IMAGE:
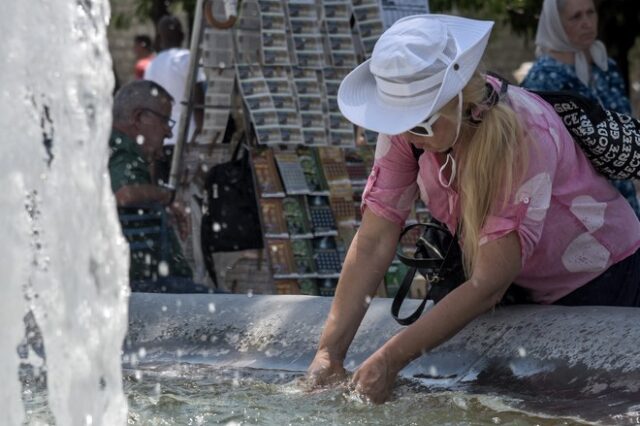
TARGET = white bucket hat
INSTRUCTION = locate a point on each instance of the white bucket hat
(418, 65)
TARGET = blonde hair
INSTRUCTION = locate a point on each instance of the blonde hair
(492, 160)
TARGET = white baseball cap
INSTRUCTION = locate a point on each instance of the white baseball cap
(418, 65)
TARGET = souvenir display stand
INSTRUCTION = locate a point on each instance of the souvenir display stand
(276, 72)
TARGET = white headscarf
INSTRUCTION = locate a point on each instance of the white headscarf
(552, 36)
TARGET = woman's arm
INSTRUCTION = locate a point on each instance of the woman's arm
(498, 263)
(143, 194)
(146, 194)
(366, 262)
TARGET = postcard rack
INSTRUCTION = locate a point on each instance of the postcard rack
(278, 70)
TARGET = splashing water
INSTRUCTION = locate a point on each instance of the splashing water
(63, 257)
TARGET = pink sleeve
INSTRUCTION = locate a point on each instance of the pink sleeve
(530, 200)
(391, 187)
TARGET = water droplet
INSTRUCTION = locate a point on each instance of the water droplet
(142, 352)
(250, 293)
(212, 307)
(522, 352)
(367, 300)
(163, 268)
(216, 227)
(139, 139)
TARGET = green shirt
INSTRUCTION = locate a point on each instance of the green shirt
(145, 228)
(126, 164)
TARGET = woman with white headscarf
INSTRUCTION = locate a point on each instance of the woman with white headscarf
(571, 58)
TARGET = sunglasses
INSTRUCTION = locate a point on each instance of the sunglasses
(425, 129)
(170, 122)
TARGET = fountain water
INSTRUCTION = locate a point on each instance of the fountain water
(59, 257)
(64, 261)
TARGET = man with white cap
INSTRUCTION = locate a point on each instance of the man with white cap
(498, 168)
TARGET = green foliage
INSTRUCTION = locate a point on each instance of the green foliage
(143, 8)
(521, 15)
(121, 21)
(155, 9)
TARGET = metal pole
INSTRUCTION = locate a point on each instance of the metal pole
(183, 127)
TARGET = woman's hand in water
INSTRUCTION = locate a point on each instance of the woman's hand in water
(324, 370)
(375, 378)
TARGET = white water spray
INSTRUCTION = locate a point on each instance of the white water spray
(62, 255)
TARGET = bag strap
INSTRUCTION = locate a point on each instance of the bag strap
(211, 269)
(236, 150)
(438, 261)
(424, 246)
(401, 295)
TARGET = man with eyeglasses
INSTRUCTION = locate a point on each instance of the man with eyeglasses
(141, 122)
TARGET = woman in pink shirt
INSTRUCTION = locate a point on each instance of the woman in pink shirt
(499, 169)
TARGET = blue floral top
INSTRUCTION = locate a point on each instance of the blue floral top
(607, 87)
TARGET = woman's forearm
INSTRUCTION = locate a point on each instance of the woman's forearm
(365, 265)
(497, 266)
(438, 325)
(141, 195)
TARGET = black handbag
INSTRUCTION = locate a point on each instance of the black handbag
(230, 220)
(437, 257)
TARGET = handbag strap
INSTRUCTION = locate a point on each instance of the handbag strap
(423, 248)
(438, 263)
(401, 295)
(236, 150)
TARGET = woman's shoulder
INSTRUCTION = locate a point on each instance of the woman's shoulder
(546, 73)
(612, 64)
(546, 63)
(538, 120)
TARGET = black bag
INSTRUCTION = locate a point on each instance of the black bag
(438, 258)
(230, 220)
(610, 140)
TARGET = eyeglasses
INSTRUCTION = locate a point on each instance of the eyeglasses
(425, 129)
(168, 120)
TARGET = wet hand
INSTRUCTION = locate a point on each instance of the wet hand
(375, 378)
(324, 371)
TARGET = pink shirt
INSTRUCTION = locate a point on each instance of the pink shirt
(571, 222)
